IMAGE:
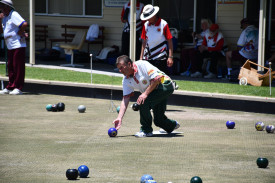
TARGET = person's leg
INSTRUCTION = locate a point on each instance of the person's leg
(196, 60)
(160, 119)
(161, 65)
(19, 68)
(138, 45)
(185, 61)
(125, 43)
(11, 73)
(145, 118)
(157, 100)
(228, 56)
(214, 61)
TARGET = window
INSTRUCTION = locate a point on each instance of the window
(76, 8)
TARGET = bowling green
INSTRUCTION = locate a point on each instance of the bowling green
(39, 146)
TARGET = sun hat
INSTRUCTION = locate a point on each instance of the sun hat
(214, 27)
(149, 11)
(7, 2)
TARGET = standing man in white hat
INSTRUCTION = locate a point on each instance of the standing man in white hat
(155, 35)
(13, 26)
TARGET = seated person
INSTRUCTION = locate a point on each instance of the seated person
(188, 56)
(247, 45)
(212, 47)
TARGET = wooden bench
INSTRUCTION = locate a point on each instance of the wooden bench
(41, 34)
(68, 37)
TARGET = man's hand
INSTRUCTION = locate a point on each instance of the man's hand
(203, 48)
(117, 123)
(170, 62)
(1, 15)
(141, 99)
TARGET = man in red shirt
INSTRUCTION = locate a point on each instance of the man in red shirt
(155, 35)
(212, 47)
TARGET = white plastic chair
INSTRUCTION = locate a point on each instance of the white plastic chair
(76, 44)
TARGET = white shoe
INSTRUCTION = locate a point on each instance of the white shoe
(196, 75)
(16, 92)
(5, 91)
(142, 134)
(210, 75)
(176, 127)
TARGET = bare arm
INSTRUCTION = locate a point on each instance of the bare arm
(1, 17)
(122, 110)
(22, 29)
(170, 58)
(142, 49)
(151, 87)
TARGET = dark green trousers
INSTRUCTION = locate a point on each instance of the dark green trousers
(157, 101)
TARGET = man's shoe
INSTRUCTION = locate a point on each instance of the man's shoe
(177, 125)
(175, 86)
(210, 76)
(196, 75)
(5, 91)
(186, 73)
(142, 134)
(16, 92)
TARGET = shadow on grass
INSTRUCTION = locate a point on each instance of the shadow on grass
(174, 110)
(164, 135)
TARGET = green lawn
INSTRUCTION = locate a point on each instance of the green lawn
(73, 76)
(37, 146)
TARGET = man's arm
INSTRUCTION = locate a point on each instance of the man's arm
(170, 57)
(142, 49)
(1, 17)
(123, 107)
(22, 29)
(153, 84)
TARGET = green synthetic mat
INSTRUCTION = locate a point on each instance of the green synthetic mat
(39, 146)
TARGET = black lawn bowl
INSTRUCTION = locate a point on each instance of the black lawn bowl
(135, 107)
(60, 106)
(262, 162)
(72, 174)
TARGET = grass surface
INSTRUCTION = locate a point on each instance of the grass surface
(39, 146)
(73, 76)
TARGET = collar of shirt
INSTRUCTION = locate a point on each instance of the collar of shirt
(157, 23)
(135, 70)
(214, 37)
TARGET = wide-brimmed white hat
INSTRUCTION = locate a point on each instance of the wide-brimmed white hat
(149, 11)
(7, 2)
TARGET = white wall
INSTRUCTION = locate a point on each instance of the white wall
(110, 20)
(228, 18)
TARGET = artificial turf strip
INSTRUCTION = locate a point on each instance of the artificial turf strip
(39, 146)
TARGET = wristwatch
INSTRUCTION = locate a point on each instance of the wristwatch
(170, 57)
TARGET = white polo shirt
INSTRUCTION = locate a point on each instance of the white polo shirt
(249, 42)
(144, 73)
(156, 36)
(11, 25)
